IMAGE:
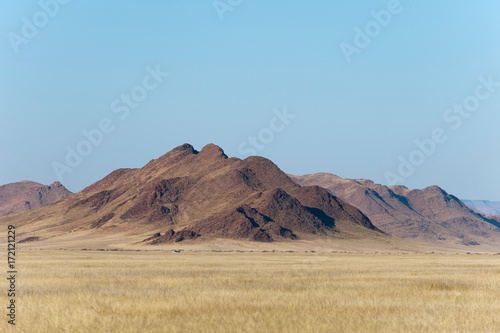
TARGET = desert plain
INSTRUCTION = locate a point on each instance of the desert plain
(255, 291)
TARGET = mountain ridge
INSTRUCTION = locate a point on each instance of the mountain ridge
(485, 207)
(429, 214)
(27, 195)
(190, 195)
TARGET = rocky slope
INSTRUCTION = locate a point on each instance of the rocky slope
(430, 214)
(191, 195)
(27, 195)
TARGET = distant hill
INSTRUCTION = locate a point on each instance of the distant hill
(27, 195)
(484, 206)
(187, 195)
(430, 214)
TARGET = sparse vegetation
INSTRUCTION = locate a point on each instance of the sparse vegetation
(96, 291)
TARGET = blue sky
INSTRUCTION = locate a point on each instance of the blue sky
(228, 78)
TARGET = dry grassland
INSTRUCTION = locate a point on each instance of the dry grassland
(92, 291)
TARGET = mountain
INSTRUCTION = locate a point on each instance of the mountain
(484, 206)
(27, 195)
(430, 214)
(495, 218)
(191, 195)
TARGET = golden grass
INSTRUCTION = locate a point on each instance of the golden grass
(83, 291)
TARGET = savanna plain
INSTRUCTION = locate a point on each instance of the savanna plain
(160, 291)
